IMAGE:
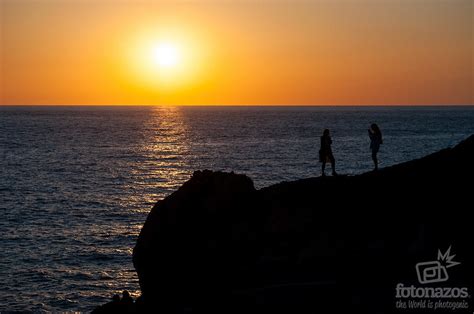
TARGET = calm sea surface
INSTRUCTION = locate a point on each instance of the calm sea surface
(76, 183)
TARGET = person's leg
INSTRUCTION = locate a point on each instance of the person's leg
(333, 165)
(374, 158)
(323, 167)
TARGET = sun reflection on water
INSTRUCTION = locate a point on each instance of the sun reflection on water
(164, 150)
(67, 236)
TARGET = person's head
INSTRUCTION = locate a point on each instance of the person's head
(326, 132)
(125, 294)
(375, 128)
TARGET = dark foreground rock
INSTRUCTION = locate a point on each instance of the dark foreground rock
(320, 245)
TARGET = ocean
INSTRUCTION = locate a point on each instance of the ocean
(76, 183)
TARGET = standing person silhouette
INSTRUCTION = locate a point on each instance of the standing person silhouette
(325, 153)
(375, 140)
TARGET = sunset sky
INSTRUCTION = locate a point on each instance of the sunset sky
(242, 52)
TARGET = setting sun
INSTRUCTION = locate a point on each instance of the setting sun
(166, 55)
(236, 52)
(162, 59)
(135, 134)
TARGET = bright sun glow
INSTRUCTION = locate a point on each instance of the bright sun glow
(166, 55)
(164, 59)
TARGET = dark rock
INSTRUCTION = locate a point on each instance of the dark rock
(113, 306)
(329, 245)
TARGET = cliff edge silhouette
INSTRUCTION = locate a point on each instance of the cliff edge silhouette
(318, 245)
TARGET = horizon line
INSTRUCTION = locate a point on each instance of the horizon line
(237, 105)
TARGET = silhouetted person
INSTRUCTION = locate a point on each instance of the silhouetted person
(375, 141)
(325, 153)
(126, 298)
(110, 307)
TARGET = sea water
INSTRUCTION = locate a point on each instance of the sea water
(76, 183)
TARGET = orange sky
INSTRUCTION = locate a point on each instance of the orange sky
(259, 52)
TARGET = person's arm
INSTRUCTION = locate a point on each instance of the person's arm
(371, 134)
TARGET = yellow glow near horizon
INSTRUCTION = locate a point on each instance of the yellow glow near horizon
(282, 52)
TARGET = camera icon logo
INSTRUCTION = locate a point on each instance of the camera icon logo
(431, 272)
(436, 271)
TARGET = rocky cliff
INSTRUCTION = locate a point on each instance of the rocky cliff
(320, 245)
